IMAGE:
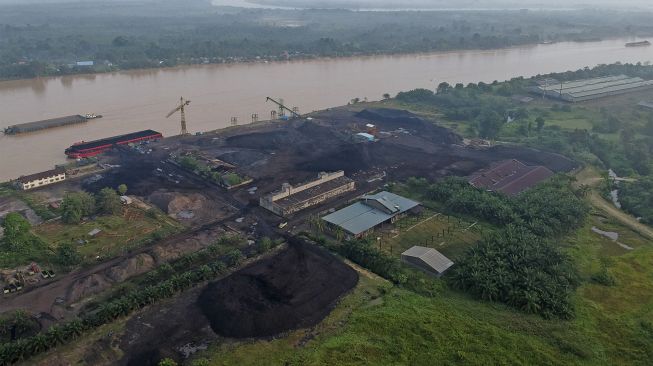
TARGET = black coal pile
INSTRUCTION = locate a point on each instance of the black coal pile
(295, 289)
(393, 119)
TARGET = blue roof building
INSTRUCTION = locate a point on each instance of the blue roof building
(370, 212)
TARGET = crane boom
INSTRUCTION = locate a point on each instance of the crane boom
(281, 106)
(182, 104)
(173, 111)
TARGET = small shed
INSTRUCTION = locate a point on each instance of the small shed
(125, 200)
(428, 260)
(365, 137)
(94, 232)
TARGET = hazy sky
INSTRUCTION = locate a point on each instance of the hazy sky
(404, 3)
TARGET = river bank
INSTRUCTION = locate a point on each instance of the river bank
(139, 99)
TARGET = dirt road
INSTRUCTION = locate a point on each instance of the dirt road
(43, 299)
(589, 176)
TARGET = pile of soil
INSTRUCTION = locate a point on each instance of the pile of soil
(130, 267)
(296, 288)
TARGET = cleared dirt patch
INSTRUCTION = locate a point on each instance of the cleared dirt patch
(294, 289)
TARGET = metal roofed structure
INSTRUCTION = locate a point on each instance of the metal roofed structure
(371, 211)
(588, 89)
(293, 199)
(510, 177)
(427, 259)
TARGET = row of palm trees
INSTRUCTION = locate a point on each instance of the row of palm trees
(516, 267)
(551, 208)
(136, 299)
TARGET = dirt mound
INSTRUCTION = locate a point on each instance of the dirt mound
(173, 250)
(136, 265)
(393, 119)
(87, 286)
(176, 204)
(294, 289)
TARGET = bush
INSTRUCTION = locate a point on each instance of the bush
(264, 245)
(363, 253)
(16, 230)
(234, 257)
(76, 205)
(109, 202)
(67, 255)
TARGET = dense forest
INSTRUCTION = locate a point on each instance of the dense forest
(50, 39)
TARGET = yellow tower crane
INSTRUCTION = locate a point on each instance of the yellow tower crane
(182, 104)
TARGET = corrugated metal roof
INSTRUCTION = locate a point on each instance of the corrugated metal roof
(362, 216)
(510, 177)
(431, 257)
(594, 86)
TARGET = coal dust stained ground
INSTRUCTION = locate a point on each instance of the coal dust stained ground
(294, 289)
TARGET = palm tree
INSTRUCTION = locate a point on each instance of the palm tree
(340, 234)
(73, 329)
(55, 335)
(39, 343)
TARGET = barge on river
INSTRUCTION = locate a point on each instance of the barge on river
(97, 147)
(49, 123)
(638, 44)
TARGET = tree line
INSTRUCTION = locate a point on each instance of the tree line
(138, 35)
(77, 205)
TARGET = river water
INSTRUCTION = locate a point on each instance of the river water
(137, 100)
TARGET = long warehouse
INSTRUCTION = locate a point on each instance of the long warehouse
(588, 89)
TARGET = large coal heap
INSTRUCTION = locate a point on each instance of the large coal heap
(390, 119)
(296, 288)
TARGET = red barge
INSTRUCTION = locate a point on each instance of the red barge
(97, 147)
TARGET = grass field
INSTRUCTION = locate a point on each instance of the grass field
(613, 326)
(447, 234)
(118, 233)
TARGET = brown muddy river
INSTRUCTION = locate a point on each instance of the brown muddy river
(137, 100)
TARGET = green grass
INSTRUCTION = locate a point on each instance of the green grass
(118, 233)
(613, 325)
(427, 230)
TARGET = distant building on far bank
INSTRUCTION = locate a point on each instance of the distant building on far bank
(510, 177)
(589, 89)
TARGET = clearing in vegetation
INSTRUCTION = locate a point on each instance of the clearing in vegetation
(118, 233)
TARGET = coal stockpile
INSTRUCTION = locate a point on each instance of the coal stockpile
(296, 288)
(392, 119)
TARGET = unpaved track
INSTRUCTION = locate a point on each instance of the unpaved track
(589, 176)
(42, 299)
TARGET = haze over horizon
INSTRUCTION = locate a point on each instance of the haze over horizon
(391, 4)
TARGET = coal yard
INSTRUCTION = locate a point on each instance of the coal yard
(215, 184)
(295, 289)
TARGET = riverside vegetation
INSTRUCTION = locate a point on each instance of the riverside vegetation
(135, 34)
